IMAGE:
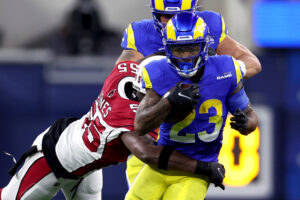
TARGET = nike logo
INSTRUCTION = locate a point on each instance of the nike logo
(182, 95)
(219, 169)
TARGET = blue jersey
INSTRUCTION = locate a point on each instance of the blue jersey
(143, 37)
(199, 135)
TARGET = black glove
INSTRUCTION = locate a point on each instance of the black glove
(217, 174)
(214, 170)
(239, 121)
(186, 98)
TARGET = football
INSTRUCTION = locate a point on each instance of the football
(185, 85)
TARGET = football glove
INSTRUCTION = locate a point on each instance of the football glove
(214, 170)
(217, 174)
(184, 98)
(239, 121)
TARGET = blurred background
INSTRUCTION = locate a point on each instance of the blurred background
(55, 55)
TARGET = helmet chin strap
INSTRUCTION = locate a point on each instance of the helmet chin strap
(187, 75)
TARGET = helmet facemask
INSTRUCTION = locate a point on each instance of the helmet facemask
(186, 39)
(187, 57)
(157, 19)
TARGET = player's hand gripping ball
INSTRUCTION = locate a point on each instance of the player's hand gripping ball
(217, 174)
(183, 98)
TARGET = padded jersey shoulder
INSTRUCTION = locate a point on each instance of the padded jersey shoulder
(142, 37)
(159, 75)
(225, 67)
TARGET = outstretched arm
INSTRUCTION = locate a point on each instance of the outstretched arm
(149, 153)
(233, 48)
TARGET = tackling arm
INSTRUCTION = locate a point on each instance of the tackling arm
(151, 154)
(233, 48)
(146, 151)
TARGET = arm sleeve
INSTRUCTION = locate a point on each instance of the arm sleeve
(154, 77)
(239, 99)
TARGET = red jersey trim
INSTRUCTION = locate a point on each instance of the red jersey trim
(36, 172)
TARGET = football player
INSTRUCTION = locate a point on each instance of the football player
(187, 79)
(69, 154)
(144, 38)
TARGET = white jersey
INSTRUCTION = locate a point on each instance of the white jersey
(67, 155)
(74, 154)
(93, 142)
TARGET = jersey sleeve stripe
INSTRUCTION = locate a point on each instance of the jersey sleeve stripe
(130, 39)
(238, 71)
(224, 32)
(146, 78)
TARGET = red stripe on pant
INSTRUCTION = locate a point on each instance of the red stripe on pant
(0, 193)
(37, 171)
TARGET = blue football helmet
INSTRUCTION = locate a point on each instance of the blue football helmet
(170, 7)
(186, 40)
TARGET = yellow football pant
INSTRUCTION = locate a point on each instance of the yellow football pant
(155, 184)
(133, 168)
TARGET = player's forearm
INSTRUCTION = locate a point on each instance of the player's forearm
(129, 55)
(240, 52)
(145, 150)
(176, 161)
(165, 157)
(252, 120)
(251, 62)
(148, 118)
(181, 162)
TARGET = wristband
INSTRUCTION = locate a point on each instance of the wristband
(202, 168)
(164, 157)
